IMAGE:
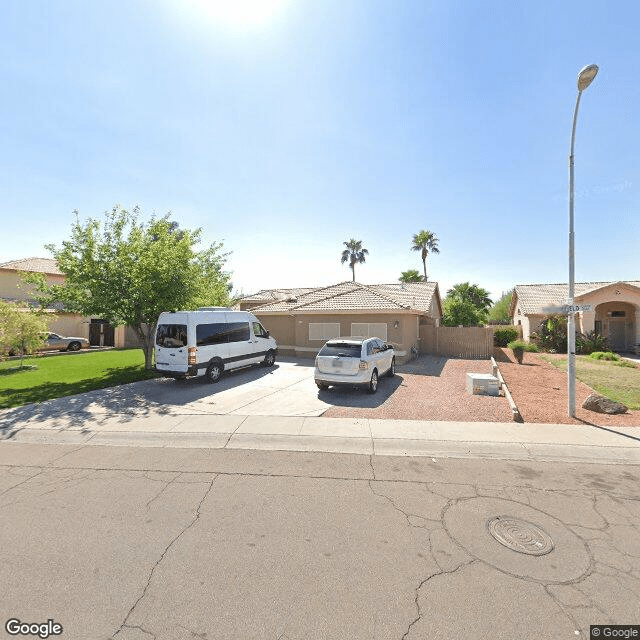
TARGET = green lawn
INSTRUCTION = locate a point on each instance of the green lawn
(610, 379)
(47, 377)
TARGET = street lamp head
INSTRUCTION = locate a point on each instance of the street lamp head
(586, 76)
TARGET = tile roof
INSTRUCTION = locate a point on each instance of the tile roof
(268, 295)
(353, 296)
(39, 265)
(531, 298)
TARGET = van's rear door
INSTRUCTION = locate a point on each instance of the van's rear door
(171, 348)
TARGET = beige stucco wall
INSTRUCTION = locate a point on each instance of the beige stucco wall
(281, 327)
(402, 337)
(13, 288)
(70, 324)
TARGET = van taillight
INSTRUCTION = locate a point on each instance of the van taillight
(192, 355)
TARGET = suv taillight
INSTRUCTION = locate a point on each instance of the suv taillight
(192, 355)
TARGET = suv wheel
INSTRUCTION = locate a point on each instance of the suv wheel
(373, 383)
(392, 368)
(214, 372)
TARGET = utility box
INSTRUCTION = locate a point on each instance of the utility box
(483, 384)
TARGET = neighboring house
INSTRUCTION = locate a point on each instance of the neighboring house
(97, 331)
(302, 323)
(615, 309)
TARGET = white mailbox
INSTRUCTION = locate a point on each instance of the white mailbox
(483, 384)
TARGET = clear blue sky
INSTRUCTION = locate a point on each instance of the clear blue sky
(286, 131)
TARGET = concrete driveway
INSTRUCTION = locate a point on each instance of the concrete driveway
(287, 389)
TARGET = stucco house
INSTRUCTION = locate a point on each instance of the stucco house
(302, 320)
(97, 331)
(615, 309)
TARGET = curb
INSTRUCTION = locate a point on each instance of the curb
(515, 412)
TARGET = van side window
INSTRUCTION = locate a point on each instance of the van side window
(208, 334)
(238, 331)
(259, 331)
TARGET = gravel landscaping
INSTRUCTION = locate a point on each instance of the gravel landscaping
(429, 388)
(540, 391)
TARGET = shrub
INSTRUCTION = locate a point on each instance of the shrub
(525, 346)
(604, 355)
(552, 335)
(502, 337)
(591, 342)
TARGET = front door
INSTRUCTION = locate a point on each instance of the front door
(616, 334)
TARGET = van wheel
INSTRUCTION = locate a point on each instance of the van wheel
(269, 359)
(322, 386)
(392, 368)
(214, 372)
(373, 383)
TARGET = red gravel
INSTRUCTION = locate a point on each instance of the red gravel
(540, 391)
(430, 388)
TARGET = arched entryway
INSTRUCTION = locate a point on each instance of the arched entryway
(616, 321)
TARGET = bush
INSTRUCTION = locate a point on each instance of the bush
(525, 346)
(591, 342)
(552, 335)
(502, 337)
(604, 355)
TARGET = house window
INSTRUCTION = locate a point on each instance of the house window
(617, 314)
(324, 330)
(369, 329)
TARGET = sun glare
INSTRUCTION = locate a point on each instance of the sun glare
(238, 12)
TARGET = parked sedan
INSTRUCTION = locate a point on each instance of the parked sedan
(354, 361)
(55, 342)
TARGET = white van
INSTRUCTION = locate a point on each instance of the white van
(209, 341)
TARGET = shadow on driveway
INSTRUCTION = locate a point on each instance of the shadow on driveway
(157, 396)
(346, 396)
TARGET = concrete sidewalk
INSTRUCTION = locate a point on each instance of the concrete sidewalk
(511, 441)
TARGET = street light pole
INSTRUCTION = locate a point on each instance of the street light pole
(585, 77)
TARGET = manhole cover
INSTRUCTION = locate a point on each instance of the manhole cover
(520, 535)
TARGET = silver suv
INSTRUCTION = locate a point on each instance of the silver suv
(354, 361)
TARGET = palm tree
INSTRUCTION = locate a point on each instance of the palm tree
(472, 293)
(352, 254)
(411, 275)
(425, 241)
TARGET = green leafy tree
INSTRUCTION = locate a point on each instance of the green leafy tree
(411, 275)
(353, 254)
(456, 311)
(22, 328)
(465, 304)
(128, 272)
(425, 241)
(499, 312)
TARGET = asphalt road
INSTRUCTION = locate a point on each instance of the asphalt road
(176, 544)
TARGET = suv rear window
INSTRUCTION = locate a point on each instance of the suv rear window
(341, 348)
(172, 336)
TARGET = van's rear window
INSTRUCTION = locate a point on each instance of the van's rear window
(172, 336)
(344, 349)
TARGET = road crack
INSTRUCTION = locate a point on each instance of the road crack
(417, 619)
(195, 519)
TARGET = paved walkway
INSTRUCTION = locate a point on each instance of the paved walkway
(542, 442)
